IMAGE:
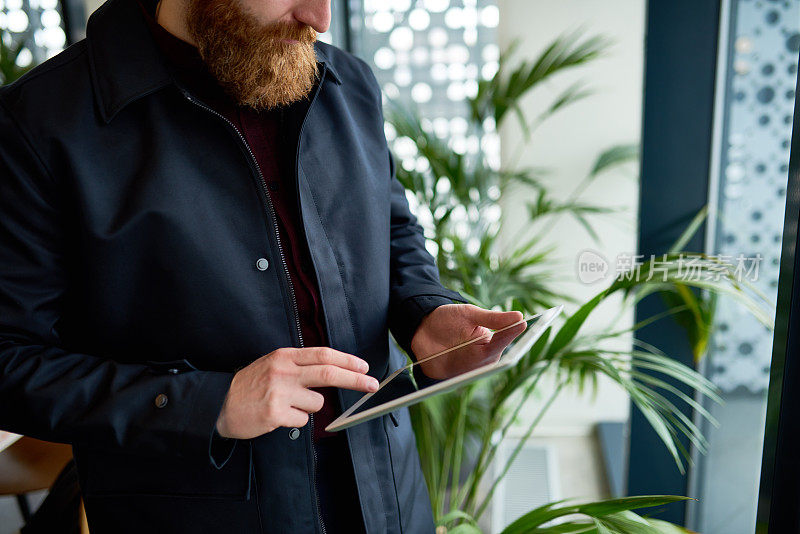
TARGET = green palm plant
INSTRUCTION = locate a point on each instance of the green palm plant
(458, 434)
(603, 517)
(9, 70)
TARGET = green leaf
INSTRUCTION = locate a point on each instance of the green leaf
(611, 506)
(608, 513)
(453, 515)
(601, 528)
(695, 224)
(567, 528)
(664, 527)
(613, 157)
(573, 324)
(465, 528)
(518, 269)
(9, 71)
(506, 89)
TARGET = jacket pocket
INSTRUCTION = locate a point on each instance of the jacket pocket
(413, 501)
(107, 473)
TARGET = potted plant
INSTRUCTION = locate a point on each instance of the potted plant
(456, 200)
(9, 52)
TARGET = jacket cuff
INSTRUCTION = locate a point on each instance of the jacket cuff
(201, 424)
(408, 315)
(220, 449)
(421, 379)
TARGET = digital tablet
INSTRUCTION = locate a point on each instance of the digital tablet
(470, 360)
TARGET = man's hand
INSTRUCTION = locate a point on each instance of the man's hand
(452, 324)
(273, 390)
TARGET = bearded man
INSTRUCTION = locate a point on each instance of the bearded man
(203, 250)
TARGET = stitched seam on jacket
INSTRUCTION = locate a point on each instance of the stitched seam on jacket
(349, 314)
(254, 479)
(394, 477)
(380, 493)
(27, 141)
(338, 264)
(55, 65)
(188, 417)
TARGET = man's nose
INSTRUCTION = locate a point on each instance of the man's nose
(315, 13)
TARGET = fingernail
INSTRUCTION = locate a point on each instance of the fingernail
(364, 366)
(373, 385)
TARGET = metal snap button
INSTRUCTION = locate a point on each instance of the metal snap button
(262, 264)
(161, 400)
(173, 371)
(294, 433)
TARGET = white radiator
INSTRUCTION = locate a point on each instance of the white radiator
(532, 481)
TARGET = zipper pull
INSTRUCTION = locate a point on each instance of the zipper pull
(187, 95)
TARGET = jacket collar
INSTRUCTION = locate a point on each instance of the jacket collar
(125, 62)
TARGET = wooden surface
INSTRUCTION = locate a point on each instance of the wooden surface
(84, 522)
(7, 439)
(28, 464)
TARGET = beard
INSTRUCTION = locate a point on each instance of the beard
(262, 66)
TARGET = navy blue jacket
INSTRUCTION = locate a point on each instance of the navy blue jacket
(132, 222)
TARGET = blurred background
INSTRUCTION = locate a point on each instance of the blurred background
(549, 146)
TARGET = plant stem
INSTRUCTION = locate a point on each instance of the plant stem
(459, 448)
(510, 422)
(517, 449)
(444, 472)
(576, 193)
(488, 450)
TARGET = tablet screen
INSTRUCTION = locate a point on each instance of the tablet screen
(446, 363)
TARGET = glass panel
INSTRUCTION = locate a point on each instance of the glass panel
(37, 23)
(482, 352)
(336, 34)
(430, 55)
(753, 130)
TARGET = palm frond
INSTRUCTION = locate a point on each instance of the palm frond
(504, 91)
(613, 515)
(613, 157)
(458, 433)
(9, 70)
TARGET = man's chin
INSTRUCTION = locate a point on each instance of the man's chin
(272, 97)
(259, 67)
(264, 79)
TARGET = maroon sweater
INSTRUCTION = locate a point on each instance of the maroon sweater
(274, 154)
(274, 145)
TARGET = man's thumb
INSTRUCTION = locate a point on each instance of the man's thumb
(493, 319)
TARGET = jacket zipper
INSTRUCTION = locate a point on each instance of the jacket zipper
(297, 186)
(271, 207)
(292, 296)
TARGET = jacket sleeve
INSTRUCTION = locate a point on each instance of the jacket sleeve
(415, 289)
(51, 393)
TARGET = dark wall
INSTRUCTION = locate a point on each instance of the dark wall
(779, 492)
(73, 13)
(680, 65)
